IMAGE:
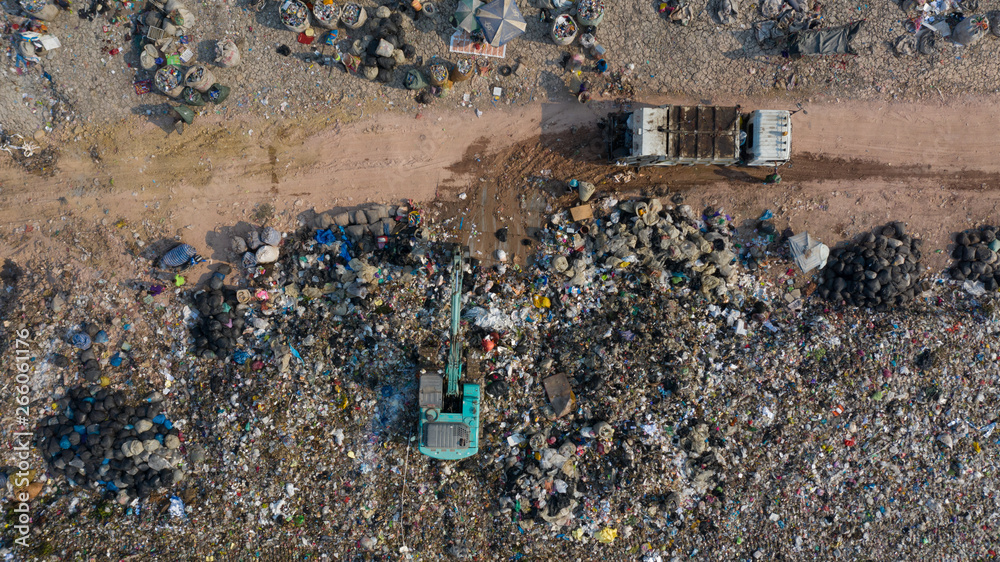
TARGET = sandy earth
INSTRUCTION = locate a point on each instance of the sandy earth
(854, 165)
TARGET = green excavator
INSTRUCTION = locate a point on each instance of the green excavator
(449, 418)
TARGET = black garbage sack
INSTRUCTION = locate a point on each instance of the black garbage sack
(502, 234)
(498, 389)
(283, 50)
(830, 41)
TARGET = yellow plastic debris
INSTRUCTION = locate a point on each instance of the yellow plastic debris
(976, 447)
(350, 454)
(578, 533)
(341, 401)
(179, 280)
(607, 535)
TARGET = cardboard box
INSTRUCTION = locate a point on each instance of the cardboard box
(583, 212)
(560, 394)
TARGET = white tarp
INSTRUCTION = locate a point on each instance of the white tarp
(808, 252)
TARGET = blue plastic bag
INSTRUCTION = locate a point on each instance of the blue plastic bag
(81, 340)
(325, 236)
(177, 508)
(240, 356)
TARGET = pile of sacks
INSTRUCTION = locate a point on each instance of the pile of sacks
(664, 244)
(879, 270)
(388, 49)
(163, 24)
(378, 220)
(975, 257)
(84, 340)
(258, 247)
(219, 324)
(95, 439)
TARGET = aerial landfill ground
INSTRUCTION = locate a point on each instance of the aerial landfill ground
(503, 280)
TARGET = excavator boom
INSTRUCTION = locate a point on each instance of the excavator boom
(454, 369)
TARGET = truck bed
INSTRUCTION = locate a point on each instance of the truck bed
(676, 134)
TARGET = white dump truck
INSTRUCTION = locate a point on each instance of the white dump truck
(670, 135)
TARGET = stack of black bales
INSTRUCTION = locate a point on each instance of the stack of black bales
(879, 270)
(975, 257)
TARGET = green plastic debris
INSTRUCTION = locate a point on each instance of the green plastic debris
(218, 93)
(190, 96)
(185, 113)
(415, 80)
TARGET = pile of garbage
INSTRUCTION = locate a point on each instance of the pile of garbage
(547, 477)
(166, 28)
(388, 48)
(928, 23)
(219, 323)
(95, 439)
(975, 257)
(879, 270)
(680, 436)
(258, 248)
(781, 19)
(667, 245)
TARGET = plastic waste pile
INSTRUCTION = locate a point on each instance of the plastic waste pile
(722, 425)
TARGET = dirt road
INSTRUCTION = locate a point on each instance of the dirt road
(854, 166)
